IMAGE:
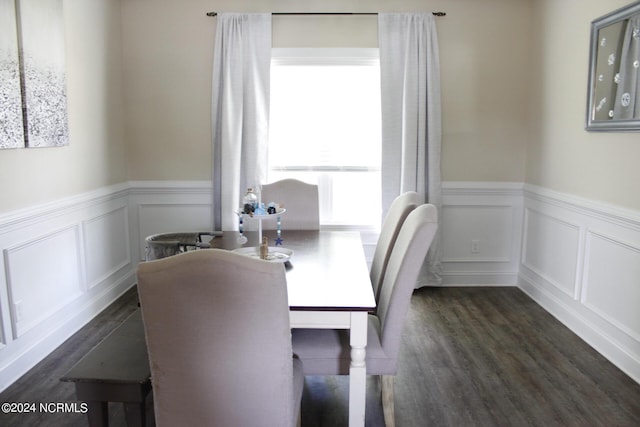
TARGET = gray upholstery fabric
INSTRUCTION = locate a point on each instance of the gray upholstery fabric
(326, 352)
(400, 208)
(299, 199)
(219, 340)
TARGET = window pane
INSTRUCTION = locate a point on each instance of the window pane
(325, 115)
(325, 129)
(346, 198)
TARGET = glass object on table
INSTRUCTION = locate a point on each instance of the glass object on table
(242, 239)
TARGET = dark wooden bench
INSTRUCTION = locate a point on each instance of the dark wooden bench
(115, 370)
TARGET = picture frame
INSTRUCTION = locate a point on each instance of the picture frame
(33, 93)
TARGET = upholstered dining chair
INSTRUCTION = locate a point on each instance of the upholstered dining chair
(219, 341)
(163, 245)
(397, 213)
(298, 198)
(327, 352)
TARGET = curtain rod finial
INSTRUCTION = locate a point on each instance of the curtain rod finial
(212, 13)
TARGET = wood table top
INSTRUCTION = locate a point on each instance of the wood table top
(327, 271)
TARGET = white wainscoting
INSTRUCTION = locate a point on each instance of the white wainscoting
(63, 263)
(581, 262)
(480, 232)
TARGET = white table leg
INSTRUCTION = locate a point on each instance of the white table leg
(358, 369)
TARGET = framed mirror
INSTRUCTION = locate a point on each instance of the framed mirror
(613, 102)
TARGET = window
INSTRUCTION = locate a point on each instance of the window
(325, 129)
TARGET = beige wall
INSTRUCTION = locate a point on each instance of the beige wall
(561, 155)
(95, 156)
(485, 73)
(513, 84)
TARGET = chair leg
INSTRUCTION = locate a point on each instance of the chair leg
(387, 400)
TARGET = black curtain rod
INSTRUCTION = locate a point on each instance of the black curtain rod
(328, 13)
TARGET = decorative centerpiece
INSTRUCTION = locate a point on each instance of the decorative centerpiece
(254, 209)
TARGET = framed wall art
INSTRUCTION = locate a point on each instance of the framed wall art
(11, 124)
(613, 102)
(32, 61)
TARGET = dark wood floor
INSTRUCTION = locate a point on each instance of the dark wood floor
(470, 357)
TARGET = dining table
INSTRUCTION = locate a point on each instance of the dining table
(328, 287)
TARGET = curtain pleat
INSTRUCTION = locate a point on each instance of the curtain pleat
(240, 110)
(411, 115)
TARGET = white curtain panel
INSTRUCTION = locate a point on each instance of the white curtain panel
(627, 104)
(411, 115)
(240, 111)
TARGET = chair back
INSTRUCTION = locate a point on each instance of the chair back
(405, 263)
(397, 213)
(164, 245)
(299, 199)
(219, 341)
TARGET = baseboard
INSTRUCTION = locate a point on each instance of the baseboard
(479, 278)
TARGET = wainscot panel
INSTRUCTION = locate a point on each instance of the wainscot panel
(581, 262)
(43, 275)
(63, 262)
(612, 281)
(481, 225)
(550, 250)
(106, 239)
